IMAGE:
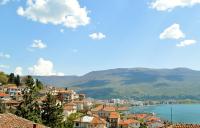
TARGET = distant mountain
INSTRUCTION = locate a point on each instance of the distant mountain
(139, 83)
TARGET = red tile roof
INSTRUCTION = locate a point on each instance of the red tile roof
(3, 94)
(8, 120)
(114, 115)
(128, 122)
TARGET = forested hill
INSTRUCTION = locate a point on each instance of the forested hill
(141, 83)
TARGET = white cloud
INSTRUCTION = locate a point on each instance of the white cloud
(4, 66)
(18, 71)
(168, 5)
(97, 36)
(4, 55)
(38, 44)
(172, 32)
(186, 43)
(65, 12)
(44, 68)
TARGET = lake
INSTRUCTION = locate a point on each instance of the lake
(184, 113)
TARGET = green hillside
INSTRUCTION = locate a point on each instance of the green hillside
(139, 83)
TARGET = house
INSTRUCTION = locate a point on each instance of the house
(67, 96)
(109, 113)
(114, 119)
(69, 109)
(4, 96)
(8, 120)
(103, 111)
(154, 122)
(14, 90)
(90, 122)
(129, 123)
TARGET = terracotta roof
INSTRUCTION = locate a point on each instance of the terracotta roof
(104, 108)
(12, 121)
(98, 120)
(65, 91)
(114, 115)
(3, 94)
(153, 119)
(122, 108)
(138, 116)
(127, 122)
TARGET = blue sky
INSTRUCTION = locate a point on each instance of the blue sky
(97, 35)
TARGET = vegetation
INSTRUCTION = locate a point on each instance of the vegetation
(29, 107)
(3, 78)
(137, 83)
(69, 123)
(52, 112)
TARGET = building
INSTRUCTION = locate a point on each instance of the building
(4, 96)
(114, 119)
(14, 90)
(67, 96)
(69, 109)
(90, 122)
(129, 123)
(8, 120)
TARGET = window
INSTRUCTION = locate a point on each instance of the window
(77, 124)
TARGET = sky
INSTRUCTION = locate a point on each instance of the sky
(74, 37)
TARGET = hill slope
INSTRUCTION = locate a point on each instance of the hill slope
(140, 83)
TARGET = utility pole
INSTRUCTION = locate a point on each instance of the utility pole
(171, 116)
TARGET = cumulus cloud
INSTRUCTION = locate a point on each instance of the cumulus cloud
(172, 32)
(38, 44)
(168, 5)
(18, 71)
(4, 55)
(97, 36)
(44, 68)
(186, 43)
(58, 12)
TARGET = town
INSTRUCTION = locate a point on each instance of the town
(28, 98)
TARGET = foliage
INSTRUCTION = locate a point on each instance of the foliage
(52, 114)
(3, 78)
(69, 123)
(2, 107)
(29, 107)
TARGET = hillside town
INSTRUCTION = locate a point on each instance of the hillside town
(78, 110)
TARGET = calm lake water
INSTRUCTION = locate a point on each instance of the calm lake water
(189, 113)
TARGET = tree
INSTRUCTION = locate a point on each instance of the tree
(70, 120)
(3, 78)
(52, 114)
(29, 107)
(2, 107)
(11, 79)
(17, 80)
(38, 84)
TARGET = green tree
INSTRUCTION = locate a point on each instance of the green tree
(29, 107)
(52, 114)
(3, 78)
(17, 80)
(11, 79)
(70, 120)
(38, 84)
(2, 107)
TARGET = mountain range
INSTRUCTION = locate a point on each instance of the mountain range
(138, 83)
